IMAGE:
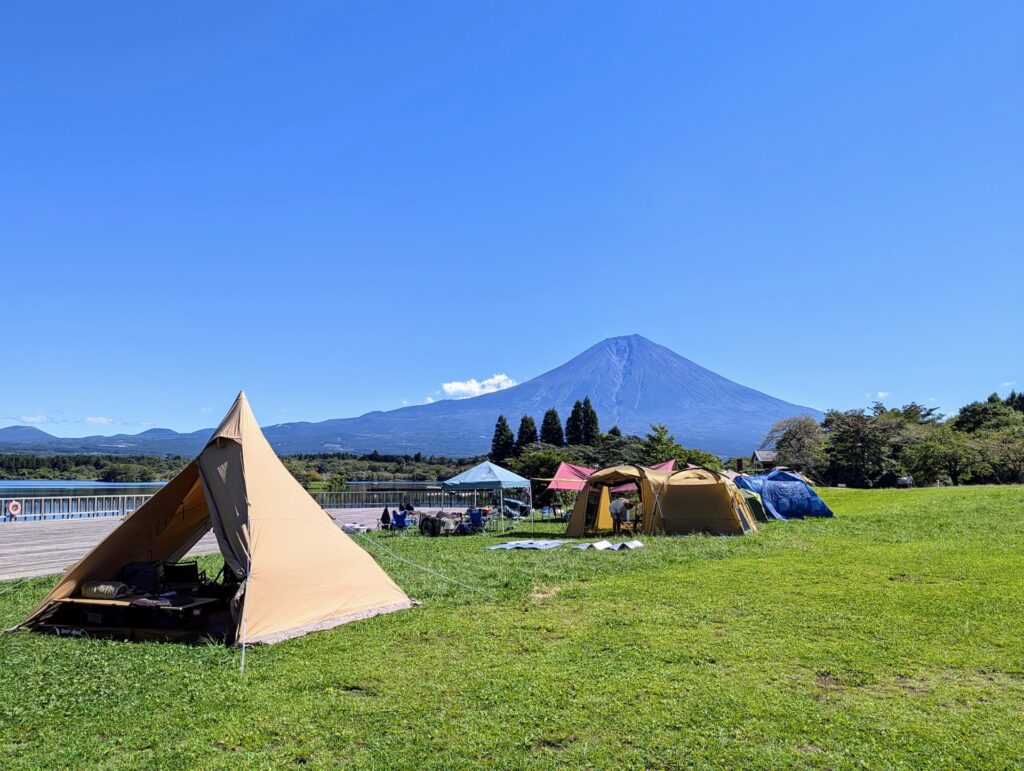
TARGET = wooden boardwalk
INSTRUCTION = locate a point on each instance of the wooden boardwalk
(42, 548)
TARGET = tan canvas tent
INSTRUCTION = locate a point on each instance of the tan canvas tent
(290, 569)
(692, 500)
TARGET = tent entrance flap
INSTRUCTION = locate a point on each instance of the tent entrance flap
(223, 476)
(591, 512)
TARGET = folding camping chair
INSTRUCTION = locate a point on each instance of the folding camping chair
(477, 521)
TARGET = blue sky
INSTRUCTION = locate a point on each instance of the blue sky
(342, 206)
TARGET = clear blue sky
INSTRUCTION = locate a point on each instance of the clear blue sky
(342, 206)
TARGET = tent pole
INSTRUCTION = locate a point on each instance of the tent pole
(529, 502)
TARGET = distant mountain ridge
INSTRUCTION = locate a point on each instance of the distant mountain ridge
(631, 381)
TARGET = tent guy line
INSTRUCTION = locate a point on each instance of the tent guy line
(423, 567)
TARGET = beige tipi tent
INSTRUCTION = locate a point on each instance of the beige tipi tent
(289, 569)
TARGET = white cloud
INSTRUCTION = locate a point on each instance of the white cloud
(1007, 383)
(206, 410)
(429, 400)
(98, 420)
(464, 389)
(33, 419)
(882, 394)
(405, 402)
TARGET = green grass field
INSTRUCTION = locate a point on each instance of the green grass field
(890, 636)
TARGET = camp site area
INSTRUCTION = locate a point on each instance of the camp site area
(888, 636)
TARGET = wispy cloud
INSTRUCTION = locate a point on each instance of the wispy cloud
(98, 420)
(882, 394)
(405, 402)
(464, 389)
(1007, 383)
(34, 418)
(206, 410)
(429, 400)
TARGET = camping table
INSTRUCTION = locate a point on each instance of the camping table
(126, 602)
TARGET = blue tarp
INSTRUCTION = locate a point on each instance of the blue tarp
(486, 476)
(785, 495)
(527, 545)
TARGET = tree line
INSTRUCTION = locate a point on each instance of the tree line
(581, 428)
(982, 443)
(330, 471)
(536, 454)
(99, 468)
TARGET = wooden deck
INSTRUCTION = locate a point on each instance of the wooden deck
(42, 548)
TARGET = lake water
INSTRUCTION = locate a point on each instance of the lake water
(45, 488)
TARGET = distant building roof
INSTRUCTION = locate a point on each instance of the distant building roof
(766, 456)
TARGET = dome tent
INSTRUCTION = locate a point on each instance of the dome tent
(785, 494)
(691, 500)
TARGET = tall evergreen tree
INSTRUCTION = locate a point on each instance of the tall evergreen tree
(591, 428)
(551, 428)
(1016, 400)
(527, 432)
(574, 424)
(614, 431)
(504, 443)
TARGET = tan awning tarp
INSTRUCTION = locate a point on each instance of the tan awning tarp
(300, 572)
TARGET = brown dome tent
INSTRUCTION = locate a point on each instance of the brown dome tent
(289, 569)
(692, 500)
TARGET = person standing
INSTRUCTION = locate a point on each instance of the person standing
(619, 510)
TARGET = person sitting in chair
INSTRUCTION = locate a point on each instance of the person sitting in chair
(619, 509)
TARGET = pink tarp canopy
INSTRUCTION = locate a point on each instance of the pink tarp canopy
(569, 477)
(572, 477)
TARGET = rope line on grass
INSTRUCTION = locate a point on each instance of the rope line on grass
(15, 585)
(425, 569)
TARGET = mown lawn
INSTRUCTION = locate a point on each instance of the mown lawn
(889, 636)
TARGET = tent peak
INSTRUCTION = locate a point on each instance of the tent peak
(239, 422)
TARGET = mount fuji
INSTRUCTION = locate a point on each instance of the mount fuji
(631, 381)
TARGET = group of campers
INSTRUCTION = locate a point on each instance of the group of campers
(289, 569)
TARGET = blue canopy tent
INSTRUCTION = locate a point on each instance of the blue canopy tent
(785, 494)
(487, 476)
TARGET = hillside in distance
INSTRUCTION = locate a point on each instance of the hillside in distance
(631, 381)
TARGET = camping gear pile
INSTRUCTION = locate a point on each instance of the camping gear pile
(472, 522)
